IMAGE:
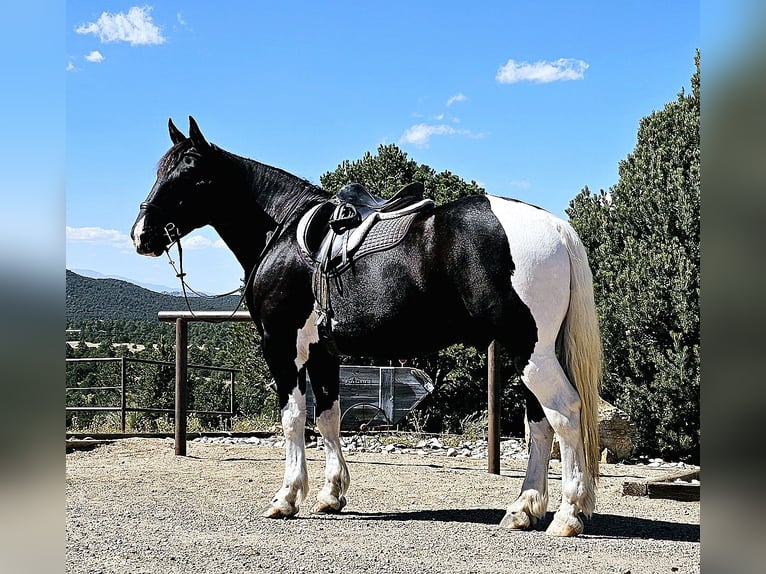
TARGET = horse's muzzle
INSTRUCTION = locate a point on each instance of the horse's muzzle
(146, 242)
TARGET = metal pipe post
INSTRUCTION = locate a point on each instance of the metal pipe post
(182, 336)
(231, 399)
(123, 400)
(493, 409)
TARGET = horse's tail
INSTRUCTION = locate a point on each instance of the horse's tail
(583, 355)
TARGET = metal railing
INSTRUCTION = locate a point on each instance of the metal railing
(183, 318)
(123, 408)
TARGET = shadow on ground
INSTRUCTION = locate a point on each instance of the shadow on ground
(601, 525)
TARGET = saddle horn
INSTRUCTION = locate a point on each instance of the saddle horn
(176, 136)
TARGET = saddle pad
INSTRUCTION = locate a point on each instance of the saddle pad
(386, 233)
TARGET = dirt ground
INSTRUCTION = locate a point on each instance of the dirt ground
(134, 507)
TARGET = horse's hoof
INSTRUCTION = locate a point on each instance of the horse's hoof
(275, 512)
(571, 526)
(518, 520)
(322, 507)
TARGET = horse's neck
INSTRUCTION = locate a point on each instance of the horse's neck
(268, 200)
(279, 194)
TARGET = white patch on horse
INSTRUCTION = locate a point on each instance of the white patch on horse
(332, 497)
(138, 230)
(307, 335)
(295, 486)
(533, 238)
(542, 275)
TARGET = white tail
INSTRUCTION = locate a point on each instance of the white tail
(583, 354)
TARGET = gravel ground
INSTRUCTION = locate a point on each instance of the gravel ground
(134, 507)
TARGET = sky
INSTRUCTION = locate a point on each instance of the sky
(533, 100)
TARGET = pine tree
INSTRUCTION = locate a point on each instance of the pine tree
(643, 242)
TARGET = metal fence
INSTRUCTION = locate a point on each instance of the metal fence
(182, 320)
(122, 389)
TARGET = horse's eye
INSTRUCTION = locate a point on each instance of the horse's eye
(188, 160)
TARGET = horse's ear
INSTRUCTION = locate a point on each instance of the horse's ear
(196, 136)
(175, 134)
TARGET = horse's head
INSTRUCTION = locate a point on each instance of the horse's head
(179, 201)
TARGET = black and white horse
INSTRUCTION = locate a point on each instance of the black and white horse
(478, 269)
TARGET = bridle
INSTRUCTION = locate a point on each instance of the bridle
(173, 234)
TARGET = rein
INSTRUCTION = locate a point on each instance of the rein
(171, 231)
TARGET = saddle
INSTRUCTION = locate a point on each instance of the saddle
(351, 225)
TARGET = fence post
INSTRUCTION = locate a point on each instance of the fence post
(231, 400)
(182, 335)
(493, 408)
(123, 400)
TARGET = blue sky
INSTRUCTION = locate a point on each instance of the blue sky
(533, 100)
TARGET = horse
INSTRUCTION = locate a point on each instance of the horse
(477, 269)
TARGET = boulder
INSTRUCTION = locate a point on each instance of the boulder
(615, 430)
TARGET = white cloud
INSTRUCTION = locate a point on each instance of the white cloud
(420, 134)
(98, 236)
(70, 67)
(95, 56)
(456, 98)
(541, 72)
(520, 183)
(135, 27)
(196, 242)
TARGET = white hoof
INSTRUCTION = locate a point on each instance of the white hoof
(518, 520)
(329, 506)
(280, 510)
(566, 526)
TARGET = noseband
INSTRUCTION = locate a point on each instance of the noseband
(172, 232)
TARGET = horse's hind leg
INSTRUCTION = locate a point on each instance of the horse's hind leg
(560, 402)
(323, 372)
(532, 502)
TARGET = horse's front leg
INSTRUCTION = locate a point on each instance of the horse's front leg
(291, 387)
(323, 370)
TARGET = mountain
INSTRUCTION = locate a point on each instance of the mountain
(90, 298)
(151, 286)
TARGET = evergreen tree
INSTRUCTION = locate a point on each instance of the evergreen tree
(390, 168)
(643, 243)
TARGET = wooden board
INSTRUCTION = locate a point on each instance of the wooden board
(666, 486)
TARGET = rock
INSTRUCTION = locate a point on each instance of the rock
(615, 431)
(607, 456)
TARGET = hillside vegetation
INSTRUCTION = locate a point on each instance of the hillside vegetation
(88, 298)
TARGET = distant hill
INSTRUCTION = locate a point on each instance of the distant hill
(89, 298)
(151, 286)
